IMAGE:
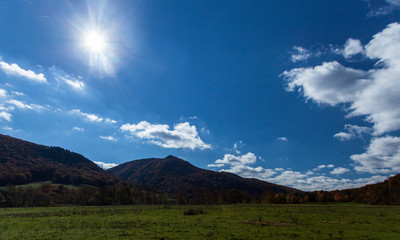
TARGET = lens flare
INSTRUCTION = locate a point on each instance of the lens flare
(95, 42)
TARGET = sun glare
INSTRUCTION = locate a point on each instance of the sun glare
(95, 42)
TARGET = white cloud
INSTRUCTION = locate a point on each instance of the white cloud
(284, 139)
(5, 115)
(329, 83)
(3, 93)
(390, 7)
(339, 170)
(238, 145)
(343, 136)
(216, 165)
(78, 129)
(322, 166)
(88, 116)
(18, 93)
(183, 135)
(75, 84)
(22, 105)
(248, 158)
(14, 69)
(7, 128)
(110, 121)
(105, 166)
(382, 156)
(352, 47)
(374, 94)
(352, 131)
(93, 117)
(301, 54)
(239, 165)
(250, 172)
(309, 182)
(109, 138)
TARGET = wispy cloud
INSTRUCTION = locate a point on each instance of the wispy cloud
(78, 129)
(108, 138)
(300, 54)
(284, 139)
(5, 116)
(183, 135)
(14, 69)
(75, 83)
(353, 131)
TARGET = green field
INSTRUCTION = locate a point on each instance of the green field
(344, 221)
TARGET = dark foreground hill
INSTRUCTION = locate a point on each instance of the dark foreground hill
(173, 175)
(383, 193)
(23, 162)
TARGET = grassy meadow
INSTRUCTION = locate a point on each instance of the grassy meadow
(242, 221)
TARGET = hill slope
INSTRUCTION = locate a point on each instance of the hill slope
(174, 175)
(23, 162)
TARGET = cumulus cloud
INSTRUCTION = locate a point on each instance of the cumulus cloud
(307, 180)
(109, 138)
(310, 182)
(322, 166)
(284, 139)
(352, 47)
(183, 135)
(382, 156)
(352, 131)
(240, 165)
(374, 94)
(14, 69)
(339, 170)
(105, 166)
(250, 172)
(330, 83)
(248, 158)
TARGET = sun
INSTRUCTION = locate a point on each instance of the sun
(95, 41)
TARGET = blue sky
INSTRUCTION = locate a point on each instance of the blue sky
(299, 93)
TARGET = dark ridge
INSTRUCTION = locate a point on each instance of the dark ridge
(22, 162)
(174, 175)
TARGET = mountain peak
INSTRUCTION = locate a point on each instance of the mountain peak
(173, 175)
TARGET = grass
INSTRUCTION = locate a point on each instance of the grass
(336, 221)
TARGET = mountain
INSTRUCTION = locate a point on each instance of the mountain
(386, 193)
(23, 162)
(173, 175)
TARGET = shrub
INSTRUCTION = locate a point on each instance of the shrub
(193, 211)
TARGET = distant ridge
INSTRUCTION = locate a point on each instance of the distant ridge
(23, 162)
(174, 175)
